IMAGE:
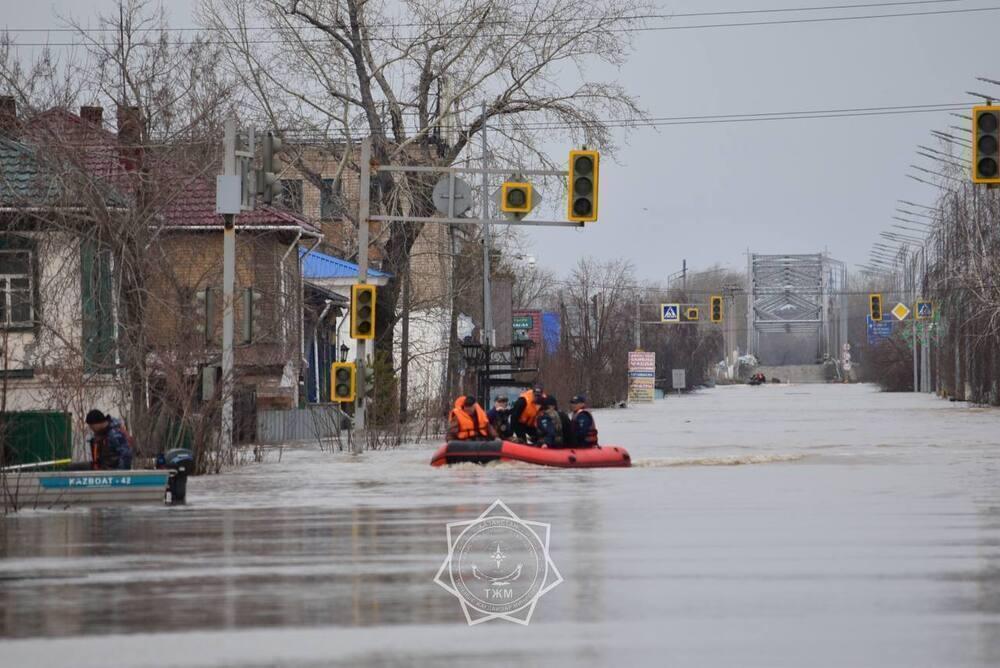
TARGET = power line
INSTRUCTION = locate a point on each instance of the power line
(629, 17)
(520, 35)
(663, 121)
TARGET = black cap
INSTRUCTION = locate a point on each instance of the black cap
(578, 399)
(538, 388)
(550, 401)
(95, 416)
(470, 400)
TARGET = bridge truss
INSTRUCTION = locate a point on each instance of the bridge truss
(798, 295)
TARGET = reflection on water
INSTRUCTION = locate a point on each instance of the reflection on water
(760, 528)
(114, 571)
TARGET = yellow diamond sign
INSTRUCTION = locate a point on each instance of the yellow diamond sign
(900, 311)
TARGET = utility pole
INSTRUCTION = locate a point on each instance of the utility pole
(638, 337)
(228, 287)
(357, 444)
(484, 214)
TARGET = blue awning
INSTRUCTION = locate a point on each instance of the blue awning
(320, 265)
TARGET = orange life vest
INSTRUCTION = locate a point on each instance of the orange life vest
(530, 412)
(467, 427)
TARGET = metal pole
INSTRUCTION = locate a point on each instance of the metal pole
(228, 287)
(357, 444)
(638, 337)
(489, 336)
(913, 294)
(484, 214)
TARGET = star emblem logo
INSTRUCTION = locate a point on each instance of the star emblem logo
(498, 565)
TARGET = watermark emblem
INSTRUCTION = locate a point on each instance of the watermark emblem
(498, 565)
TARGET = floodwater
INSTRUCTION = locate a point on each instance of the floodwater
(807, 525)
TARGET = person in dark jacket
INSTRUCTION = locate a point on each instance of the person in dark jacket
(499, 417)
(549, 424)
(109, 444)
(583, 430)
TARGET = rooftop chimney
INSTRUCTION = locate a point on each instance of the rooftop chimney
(92, 115)
(129, 136)
(8, 116)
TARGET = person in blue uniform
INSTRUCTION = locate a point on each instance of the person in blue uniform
(583, 430)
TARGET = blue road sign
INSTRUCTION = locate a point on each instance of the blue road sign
(670, 312)
(878, 330)
(925, 310)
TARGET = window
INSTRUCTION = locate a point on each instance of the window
(16, 293)
(329, 199)
(291, 194)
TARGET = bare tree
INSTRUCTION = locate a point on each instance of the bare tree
(334, 71)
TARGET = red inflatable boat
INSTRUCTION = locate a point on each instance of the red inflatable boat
(482, 452)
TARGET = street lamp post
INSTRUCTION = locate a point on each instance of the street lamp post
(480, 358)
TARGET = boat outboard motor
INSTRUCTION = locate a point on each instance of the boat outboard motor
(181, 461)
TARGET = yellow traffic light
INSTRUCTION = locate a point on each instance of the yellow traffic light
(362, 311)
(584, 170)
(716, 308)
(875, 307)
(692, 313)
(343, 376)
(986, 144)
(515, 197)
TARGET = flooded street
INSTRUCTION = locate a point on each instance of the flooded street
(807, 525)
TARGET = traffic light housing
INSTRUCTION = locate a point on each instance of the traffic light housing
(584, 172)
(515, 197)
(875, 307)
(986, 144)
(692, 314)
(205, 314)
(267, 177)
(715, 313)
(252, 306)
(362, 311)
(343, 381)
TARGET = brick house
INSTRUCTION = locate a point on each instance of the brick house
(75, 280)
(431, 273)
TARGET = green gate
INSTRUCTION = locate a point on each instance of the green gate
(29, 437)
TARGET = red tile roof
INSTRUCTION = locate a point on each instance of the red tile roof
(193, 198)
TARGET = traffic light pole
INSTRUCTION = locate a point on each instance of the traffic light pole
(228, 287)
(488, 335)
(365, 217)
(357, 444)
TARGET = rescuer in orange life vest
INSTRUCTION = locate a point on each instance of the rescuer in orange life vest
(468, 422)
(524, 413)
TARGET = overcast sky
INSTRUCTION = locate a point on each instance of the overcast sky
(707, 193)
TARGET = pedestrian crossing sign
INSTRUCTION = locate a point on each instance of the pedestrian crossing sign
(670, 312)
(925, 310)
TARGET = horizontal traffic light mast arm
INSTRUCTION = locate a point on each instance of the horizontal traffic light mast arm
(674, 323)
(470, 170)
(475, 221)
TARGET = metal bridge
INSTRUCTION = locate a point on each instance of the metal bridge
(802, 296)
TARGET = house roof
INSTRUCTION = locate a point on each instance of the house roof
(192, 196)
(318, 266)
(23, 179)
(27, 181)
(194, 206)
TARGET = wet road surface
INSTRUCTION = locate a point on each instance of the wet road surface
(773, 526)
